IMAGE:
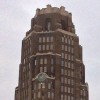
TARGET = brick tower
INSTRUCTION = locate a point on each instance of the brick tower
(51, 65)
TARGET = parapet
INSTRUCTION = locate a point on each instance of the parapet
(51, 9)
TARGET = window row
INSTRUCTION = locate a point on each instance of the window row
(45, 39)
(67, 56)
(83, 92)
(67, 89)
(67, 48)
(67, 72)
(41, 95)
(44, 61)
(67, 81)
(65, 97)
(45, 47)
(67, 40)
(67, 64)
(44, 69)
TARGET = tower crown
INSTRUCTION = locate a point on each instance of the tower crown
(51, 19)
(51, 9)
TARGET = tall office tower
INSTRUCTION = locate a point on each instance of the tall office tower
(51, 59)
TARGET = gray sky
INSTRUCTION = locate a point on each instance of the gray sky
(15, 19)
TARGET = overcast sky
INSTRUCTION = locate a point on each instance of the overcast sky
(15, 19)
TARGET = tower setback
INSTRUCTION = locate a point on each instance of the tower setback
(51, 59)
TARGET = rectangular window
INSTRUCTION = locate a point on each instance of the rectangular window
(45, 61)
(45, 69)
(62, 47)
(47, 39)
(65, 89)
(48, 94)
(49, 85)
(62, 89)
(41, 61)
(52, 95)
(62, 71)
(51, 47)
(65, 72)
(51, 39)
(43, 47)
(68, 73)
(62, 63)
(62, 39)
(39, 94)
(41, 69)
(43, 39)
(47, 47)
(62, 96)
(65, 48)
(68, 97)
(40, 39)
(40, 47)
(66, 40)
(68, 90)
(65, 97)
(62, 79)
(62, 55)
(34, 95)
(68, 81)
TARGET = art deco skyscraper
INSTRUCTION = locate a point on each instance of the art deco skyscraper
(51, 59)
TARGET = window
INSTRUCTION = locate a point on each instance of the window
(39, 85)
(65, 56)
(47, 39)
(48, 24)
(68, 90)
(65, 89)
(39, 94)
(65, 48)
(66, 40)
(45, 61)
(47, 47)
(43, 39)
(41, 61)
(49, 85)
(43, 85)
(52, 95)
(62, 96)
(48, 94)
(68, 73)
(34, 95)
(68, 97)
(68, 81)
(62, 48)
(62, 39)
(62, 63)
(65, 80)
(52, 69)
(62, 55)
(43, 47)
(41, 69)
(62, 71)
(62, 88)
(65, 97)
(40, 39)
(62, 79)
(40, 48)
(65, 72)
(51, 47)
(51, 39)
(45, 69)
(68, 64)
(52, 62)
